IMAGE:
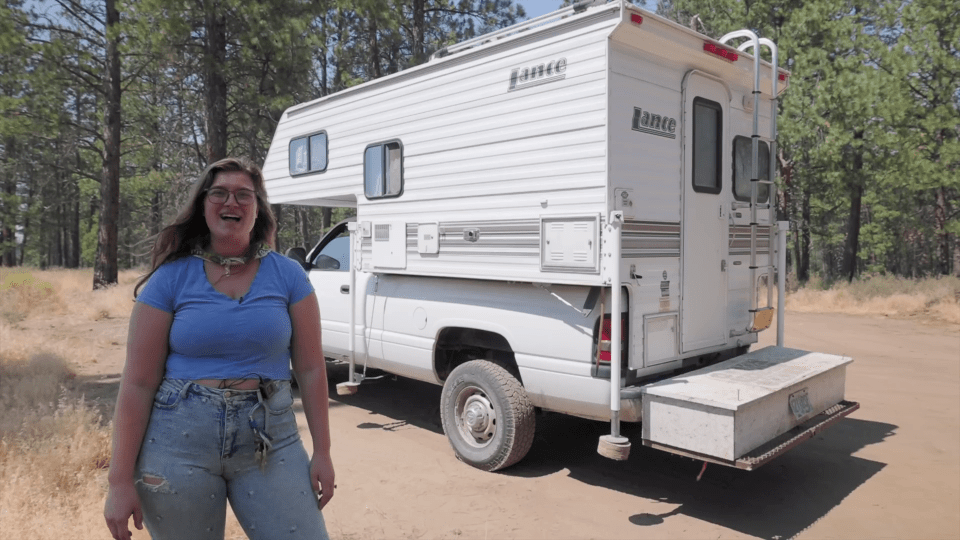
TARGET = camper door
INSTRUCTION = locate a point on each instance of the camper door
(703, 304)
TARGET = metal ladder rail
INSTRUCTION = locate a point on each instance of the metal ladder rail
(755, 174)
(772, 173)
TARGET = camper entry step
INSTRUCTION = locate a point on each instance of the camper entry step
(728, 409)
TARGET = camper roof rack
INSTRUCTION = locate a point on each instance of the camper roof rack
(542, 20)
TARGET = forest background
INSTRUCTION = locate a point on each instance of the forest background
(110, 109)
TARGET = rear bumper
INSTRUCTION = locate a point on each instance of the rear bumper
(775, 447)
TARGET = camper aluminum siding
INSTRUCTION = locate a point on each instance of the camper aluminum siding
(663, 236)
(476, 154)
(480, 157)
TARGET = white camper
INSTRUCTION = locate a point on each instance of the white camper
(520, 188)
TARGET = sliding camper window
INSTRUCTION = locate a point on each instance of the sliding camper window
(743, 169)
(707, 138)
(383, 170)
(308, 154)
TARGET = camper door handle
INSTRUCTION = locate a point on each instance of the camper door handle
(345, 289)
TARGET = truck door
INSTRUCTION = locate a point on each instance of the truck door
(330, 276)
(703, 286)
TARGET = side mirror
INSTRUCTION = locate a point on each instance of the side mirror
(326, 262)
(299, 254)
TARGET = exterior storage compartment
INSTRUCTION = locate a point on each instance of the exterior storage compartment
(726, 410)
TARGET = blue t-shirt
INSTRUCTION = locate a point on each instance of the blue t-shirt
(216, 337)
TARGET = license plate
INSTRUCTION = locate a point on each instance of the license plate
(800, 404)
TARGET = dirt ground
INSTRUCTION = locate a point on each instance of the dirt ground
(890, 470)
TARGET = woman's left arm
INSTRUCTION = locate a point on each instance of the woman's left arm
(306, 350)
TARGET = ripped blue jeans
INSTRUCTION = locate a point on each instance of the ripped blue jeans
(200, 450)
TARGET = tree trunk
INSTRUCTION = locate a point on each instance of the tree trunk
(74, 260)
(374, 47)
(8, 240)
(851, 246)
(803, 241)
(303, 219)
(418, 32)
(940, 213)
(327, 214)
(105, 265)
(278, 212)
(215, 90)
(8, 220)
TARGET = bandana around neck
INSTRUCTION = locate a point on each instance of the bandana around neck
(259, 252)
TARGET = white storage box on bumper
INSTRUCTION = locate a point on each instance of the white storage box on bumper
(769, 400)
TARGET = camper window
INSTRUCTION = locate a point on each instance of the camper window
(308, 154)
(707, 138)
(743, 170)
(383, 170)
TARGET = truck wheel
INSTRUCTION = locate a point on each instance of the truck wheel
(486, 415)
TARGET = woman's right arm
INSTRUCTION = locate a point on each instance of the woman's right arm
(147, 348)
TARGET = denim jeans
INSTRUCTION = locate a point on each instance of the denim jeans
(199, 450)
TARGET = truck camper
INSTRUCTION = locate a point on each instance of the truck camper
(573, 214)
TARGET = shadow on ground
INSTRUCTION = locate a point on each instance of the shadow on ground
(779, 500)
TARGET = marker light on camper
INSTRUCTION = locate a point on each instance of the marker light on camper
(720, 51)
(636, 19)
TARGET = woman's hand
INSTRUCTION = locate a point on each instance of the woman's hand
(122, 502)
(322, 477)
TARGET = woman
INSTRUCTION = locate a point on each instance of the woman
(204, 410)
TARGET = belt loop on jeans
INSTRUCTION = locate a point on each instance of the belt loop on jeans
(186, 386)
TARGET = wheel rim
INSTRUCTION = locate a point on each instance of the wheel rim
(476, 417)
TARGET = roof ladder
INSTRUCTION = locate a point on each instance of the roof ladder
(761, 317)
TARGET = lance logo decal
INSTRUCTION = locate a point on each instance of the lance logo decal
(654, 124)
(527, 76)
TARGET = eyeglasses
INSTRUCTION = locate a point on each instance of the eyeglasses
(243, 197)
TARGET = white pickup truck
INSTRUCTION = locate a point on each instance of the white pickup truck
(576, 214)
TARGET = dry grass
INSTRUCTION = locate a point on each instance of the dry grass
(54, 445)
(934, 298)
(53, 450)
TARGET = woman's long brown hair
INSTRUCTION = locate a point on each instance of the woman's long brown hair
(189, 230)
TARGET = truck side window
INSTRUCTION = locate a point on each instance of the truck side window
(383, 170)
(308, 154)
(743, 170)
(335, 256)
(707, 138)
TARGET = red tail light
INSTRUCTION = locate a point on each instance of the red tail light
(606, 334)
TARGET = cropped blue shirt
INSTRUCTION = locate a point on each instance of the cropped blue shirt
(216, 337)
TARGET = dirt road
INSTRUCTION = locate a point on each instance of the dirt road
(891, 470)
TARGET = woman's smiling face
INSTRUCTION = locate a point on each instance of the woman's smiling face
(230, 219)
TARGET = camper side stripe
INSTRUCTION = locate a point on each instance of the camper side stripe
(740, 240)
(647, 239)
(521, 238)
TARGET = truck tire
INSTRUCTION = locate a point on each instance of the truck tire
(486, 415)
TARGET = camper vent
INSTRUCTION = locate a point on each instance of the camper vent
(381, 233)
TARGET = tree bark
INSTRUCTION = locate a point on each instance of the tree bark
(803, 241)
(374, 48)
(940, 213)
(851, 246)
(215, 90)
(418, 32)
(105, 265)
(327, 214)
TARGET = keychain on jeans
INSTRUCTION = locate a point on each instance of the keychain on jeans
(264, 440)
